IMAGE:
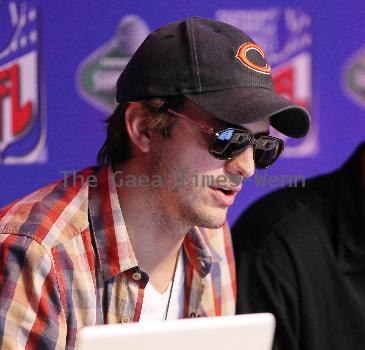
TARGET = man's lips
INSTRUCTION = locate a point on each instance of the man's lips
(225, 195)
(228, 189)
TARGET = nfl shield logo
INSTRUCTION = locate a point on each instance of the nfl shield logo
(22, 124)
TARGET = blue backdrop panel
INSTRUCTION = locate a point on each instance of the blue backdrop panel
(59, 61)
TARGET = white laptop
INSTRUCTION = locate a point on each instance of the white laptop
(251, 332)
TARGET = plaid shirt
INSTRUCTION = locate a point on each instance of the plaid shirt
(66, 262)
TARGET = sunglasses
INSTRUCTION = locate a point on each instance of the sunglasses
(229, 143)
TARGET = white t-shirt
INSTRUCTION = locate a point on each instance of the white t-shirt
(154, 303)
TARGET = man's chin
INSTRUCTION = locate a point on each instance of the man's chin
(213, 221)
(213, 226)
(207, 216)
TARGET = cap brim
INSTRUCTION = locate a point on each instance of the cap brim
(250, 104)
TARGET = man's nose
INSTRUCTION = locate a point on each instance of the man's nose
(243, 165)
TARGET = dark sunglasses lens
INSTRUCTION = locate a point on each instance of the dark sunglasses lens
(229, 143)
(267, 150)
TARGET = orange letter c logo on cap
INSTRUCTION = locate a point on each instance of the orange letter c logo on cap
(242, 56)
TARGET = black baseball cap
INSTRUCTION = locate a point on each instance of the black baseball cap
(216, 66)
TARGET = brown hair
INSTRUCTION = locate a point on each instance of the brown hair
(116, 148)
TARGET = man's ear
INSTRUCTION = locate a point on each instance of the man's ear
(139, 133)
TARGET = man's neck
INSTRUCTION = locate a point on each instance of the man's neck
(156, 238)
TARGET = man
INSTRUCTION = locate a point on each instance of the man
(144, 237)
(300, 255)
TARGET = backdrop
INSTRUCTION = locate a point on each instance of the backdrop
(59, 61)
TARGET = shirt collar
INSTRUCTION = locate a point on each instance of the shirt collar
(199, 251)
(112, 242)
(107, 223)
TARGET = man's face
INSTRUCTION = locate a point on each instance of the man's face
(197, 188)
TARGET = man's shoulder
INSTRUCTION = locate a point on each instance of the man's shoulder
(294, 215)
(52, 214)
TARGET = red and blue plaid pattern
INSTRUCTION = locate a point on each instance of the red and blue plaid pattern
(66, 262)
